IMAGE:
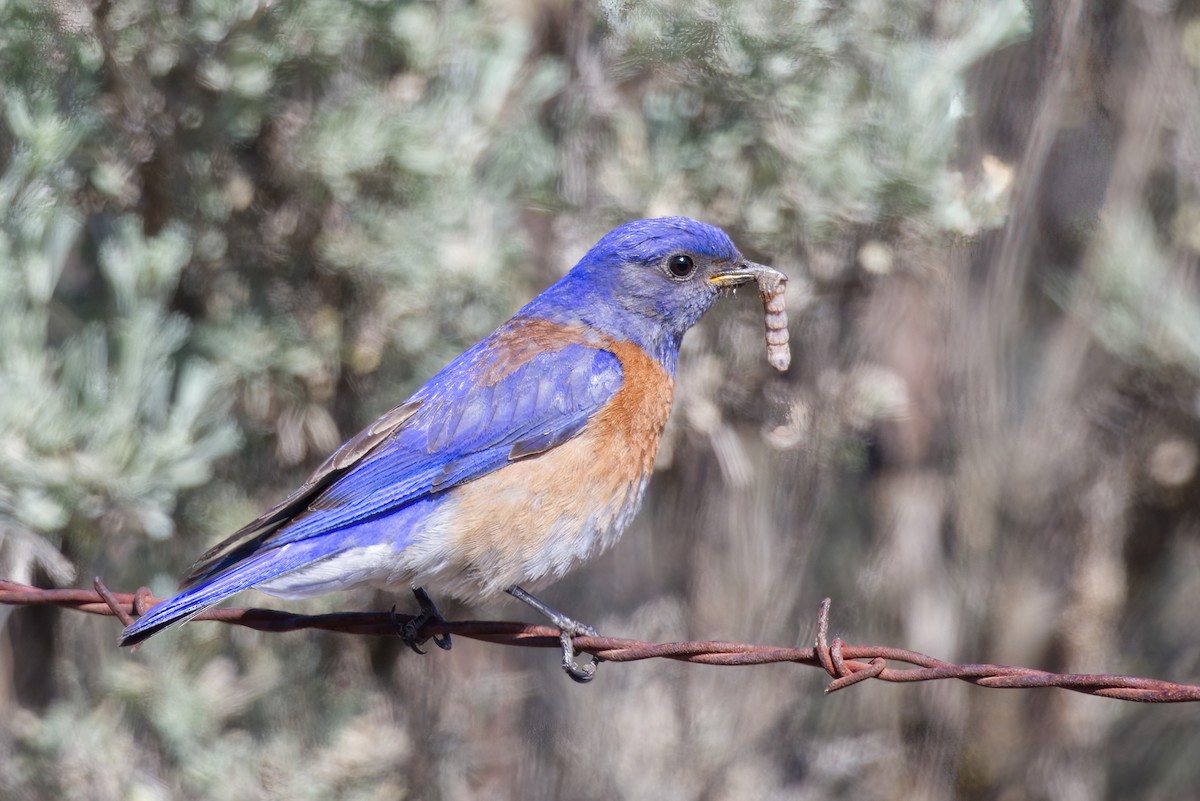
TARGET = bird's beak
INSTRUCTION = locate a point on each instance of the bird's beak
(743, 273)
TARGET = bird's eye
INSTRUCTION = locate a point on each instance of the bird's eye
(681, 265)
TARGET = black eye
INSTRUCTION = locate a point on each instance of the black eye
(681, 265)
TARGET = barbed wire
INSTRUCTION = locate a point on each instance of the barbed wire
(846, 664)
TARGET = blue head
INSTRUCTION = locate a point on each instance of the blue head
(648, 281)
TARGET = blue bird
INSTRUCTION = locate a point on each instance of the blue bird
(526, 455)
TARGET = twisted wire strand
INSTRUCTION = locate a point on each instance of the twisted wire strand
(845, 664)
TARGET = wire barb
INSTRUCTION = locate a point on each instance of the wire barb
(845, 664)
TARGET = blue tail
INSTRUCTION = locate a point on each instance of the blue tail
(242, 569)
(191, 602)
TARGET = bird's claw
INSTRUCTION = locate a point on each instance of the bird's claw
(411, 633)
(568, 628)
(577, 673)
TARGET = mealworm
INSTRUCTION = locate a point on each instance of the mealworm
(771, 286)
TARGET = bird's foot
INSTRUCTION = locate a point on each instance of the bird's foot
(412, 632)
(568, 628)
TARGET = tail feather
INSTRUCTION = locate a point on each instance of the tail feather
(260, 567)
(191, 602)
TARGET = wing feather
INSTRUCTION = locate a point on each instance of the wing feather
(345, 457)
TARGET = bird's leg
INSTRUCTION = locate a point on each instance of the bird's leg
(410, 632)
(567, 628)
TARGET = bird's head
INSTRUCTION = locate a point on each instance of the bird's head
(651, 280)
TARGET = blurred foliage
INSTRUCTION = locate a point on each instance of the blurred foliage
(233, 232)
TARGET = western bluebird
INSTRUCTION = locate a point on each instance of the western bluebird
(524, 456)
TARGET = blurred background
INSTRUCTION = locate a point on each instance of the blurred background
(233, 232)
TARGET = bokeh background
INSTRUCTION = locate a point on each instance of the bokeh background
(233, 232)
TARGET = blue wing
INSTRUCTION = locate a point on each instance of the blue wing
(479, 413)
(462, 430)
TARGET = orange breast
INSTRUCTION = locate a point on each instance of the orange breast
(534, 519)
(632, 422)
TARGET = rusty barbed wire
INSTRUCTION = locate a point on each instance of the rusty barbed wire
(846, 664)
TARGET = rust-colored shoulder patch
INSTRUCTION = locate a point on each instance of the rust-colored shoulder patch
(522, 340)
